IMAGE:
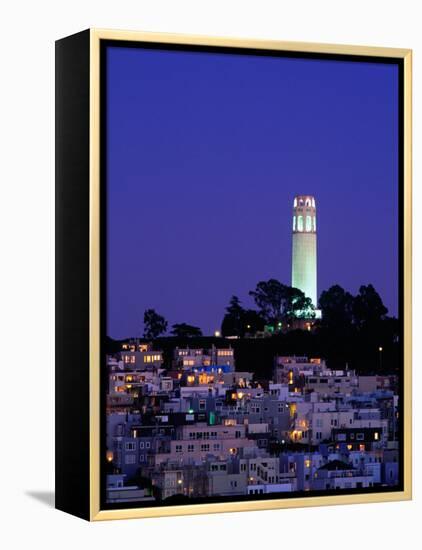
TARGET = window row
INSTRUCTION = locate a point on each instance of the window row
(204, 447)
(298, 223)
(132, 445)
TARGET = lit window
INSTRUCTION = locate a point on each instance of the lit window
(313, 203)
(295, 203)
(308, 223)
(300, 223)
(294, 223)
(315, 223)
(376, 436)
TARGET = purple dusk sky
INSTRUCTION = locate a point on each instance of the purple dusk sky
(205, 154)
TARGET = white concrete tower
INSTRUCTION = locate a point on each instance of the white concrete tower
(304, 251)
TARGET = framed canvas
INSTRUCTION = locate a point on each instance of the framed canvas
(233, 276)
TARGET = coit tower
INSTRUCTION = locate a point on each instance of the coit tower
(304, 252)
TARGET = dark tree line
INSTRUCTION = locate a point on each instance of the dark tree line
(239, 321)
(155, 325)
(355, 330)
(277, 305)
(341, 309)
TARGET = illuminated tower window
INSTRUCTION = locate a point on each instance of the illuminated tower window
(315, 222)
(294, 223)
(308, 223)
(295, 203)
(300, 223)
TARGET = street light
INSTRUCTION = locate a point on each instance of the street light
(217, 334)
(380, 356)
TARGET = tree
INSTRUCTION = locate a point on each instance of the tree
(252, 321)
(183, 330)
(154, 324)
(234, 308)
(269, 296)
(368, 308)
(296, 305)
(336, 307)
(239, 321)
(278, 302)
(336, 327)
(232, 324)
